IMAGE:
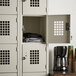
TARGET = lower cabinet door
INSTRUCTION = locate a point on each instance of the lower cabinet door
(8, 58)
(34, 57)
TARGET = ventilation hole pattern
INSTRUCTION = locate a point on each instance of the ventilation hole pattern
(34, 3)
(4, 2)
(4, 28)
(4, 57)
(58, 28)
(34, 56)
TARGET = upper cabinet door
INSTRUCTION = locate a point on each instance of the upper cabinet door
(8, 6)
(34, 7)
(60, 6)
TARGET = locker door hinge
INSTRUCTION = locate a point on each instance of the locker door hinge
(45, 48)
(16, 48)
(16, 37)
(46, 9)
(45, 66)
(16, 19)
(16, 66)
(16, 8)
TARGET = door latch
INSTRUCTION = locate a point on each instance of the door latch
(67, 27)
(23, 58)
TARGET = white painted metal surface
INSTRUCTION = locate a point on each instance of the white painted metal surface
(5, 65)
(8, 29)
(73, 23)
(8, 6)
(31, 65)
(35, 74)
(19, 37)
(60, 6)
(8, 74)
(34, 7)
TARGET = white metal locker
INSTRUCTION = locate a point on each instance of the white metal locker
(34, 57)
(8, 29)
(8, 58)
(34, 7)
(8, 6)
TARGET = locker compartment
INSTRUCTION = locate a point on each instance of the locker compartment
(36, 25)
(8, 58)
(58, 29)
(8, 29)
(34, 7)
(34, 57)
(8, 6)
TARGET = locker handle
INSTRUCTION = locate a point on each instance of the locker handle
(67, 27)
(23, 58)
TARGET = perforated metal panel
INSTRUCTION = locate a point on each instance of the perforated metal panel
(4, 28)
(8, 74)
(4, 57)
(8, 58)
(35, 57)
(34, 7)
(4, 2)
(8, 6)
(58, 28)
(34, 3)
(8, 29)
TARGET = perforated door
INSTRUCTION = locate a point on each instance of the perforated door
(58, 30)
(34, 7)
(8, 6)
(34, 57)
(8, 29)
(8, 58)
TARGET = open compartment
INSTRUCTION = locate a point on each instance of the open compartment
(35, 25)
(58, 29)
